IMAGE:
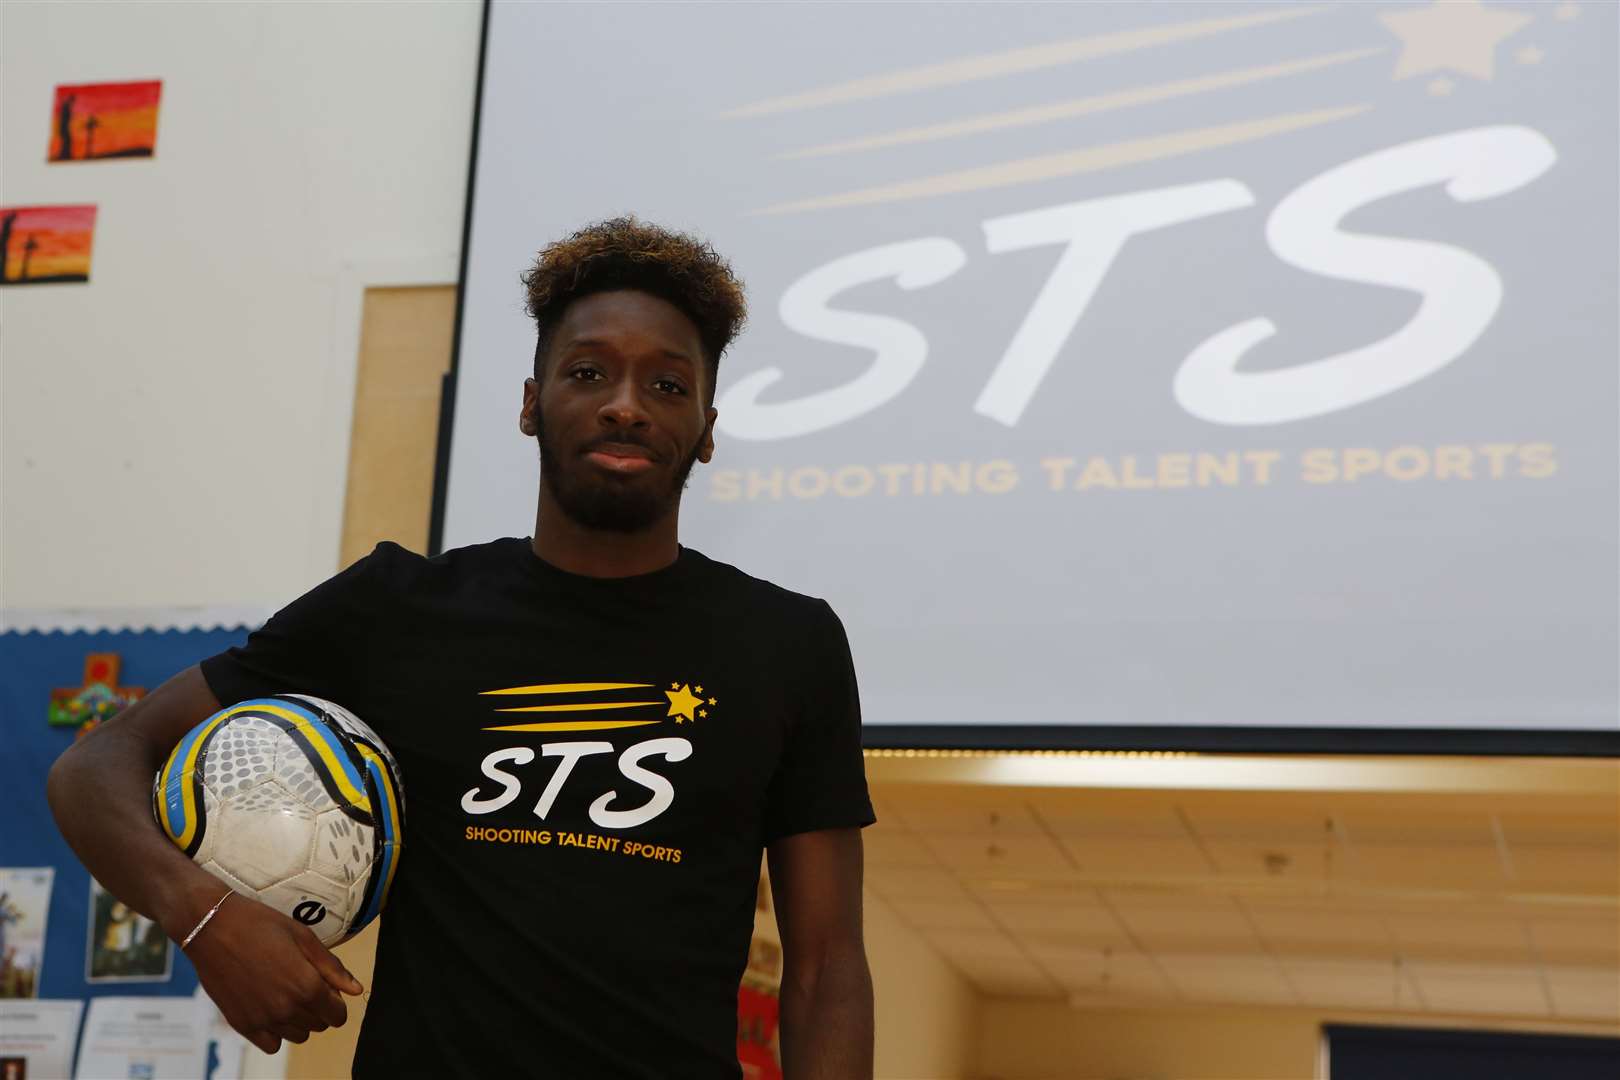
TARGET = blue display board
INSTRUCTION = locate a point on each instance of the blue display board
(32, 665)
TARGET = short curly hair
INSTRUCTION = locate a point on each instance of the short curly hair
(627, 253)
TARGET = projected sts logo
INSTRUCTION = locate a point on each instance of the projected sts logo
(1460, 292)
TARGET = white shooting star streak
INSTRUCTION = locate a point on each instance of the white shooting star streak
(1089, 159)
(1012, 62)
(1063, 110)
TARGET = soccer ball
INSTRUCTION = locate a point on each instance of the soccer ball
(293, 801)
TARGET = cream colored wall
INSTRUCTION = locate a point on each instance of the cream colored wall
(927, 1015)
(1048, 1040)
(404, 352)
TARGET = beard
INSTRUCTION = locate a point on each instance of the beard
(606, 502)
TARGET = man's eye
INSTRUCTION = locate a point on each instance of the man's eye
(670, 386)
(585, 374)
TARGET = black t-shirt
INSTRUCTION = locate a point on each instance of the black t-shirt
(575, 899)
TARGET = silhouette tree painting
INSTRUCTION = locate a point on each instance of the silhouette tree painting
(6, 222)
(64, 128)
(97, 121)
(45, 245)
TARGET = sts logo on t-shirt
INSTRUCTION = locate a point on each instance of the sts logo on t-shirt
(630, 705)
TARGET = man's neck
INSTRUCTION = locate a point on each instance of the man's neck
(568, 545)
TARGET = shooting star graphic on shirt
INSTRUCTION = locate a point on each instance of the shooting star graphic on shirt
(685, 703)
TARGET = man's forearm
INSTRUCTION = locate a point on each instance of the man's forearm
(100, 792)
(826, 1021)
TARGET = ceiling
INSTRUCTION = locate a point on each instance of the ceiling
(1440, 886)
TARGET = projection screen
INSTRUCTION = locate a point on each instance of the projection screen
(1161, 375)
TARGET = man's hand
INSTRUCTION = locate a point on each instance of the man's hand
(270, 976)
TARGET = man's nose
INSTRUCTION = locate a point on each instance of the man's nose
(623, 407)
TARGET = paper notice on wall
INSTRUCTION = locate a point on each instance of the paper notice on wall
(36, 1038)
(142, 1038)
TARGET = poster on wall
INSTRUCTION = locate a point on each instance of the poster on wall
(758, 1044)
(123, 945)
(25, 903)
(98, 121)
(46, 245)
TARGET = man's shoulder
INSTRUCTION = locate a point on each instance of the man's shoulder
(755, 592)
(397, 565)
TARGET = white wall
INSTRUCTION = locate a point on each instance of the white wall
(175, 433)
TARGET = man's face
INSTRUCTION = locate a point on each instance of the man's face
(619, 410)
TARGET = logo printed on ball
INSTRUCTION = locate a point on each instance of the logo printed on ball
(309, 912)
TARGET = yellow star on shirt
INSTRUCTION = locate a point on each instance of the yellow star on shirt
(682, 703)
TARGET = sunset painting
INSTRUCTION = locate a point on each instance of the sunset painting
(95, 121)
(44, 245)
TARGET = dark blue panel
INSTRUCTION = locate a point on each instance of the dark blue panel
(31, 666)
(1375, 1053)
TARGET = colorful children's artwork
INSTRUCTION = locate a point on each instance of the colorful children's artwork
(96, 121)
(25, 901)
(98, 698)
(44, 245)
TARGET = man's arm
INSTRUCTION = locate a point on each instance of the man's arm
(100, 791)
(271, 978)
(826, 985)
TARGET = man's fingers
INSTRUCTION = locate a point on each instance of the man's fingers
(312, 1015)
(291, 1032)
(328, 1007)
(331, 968)
(265, 1041)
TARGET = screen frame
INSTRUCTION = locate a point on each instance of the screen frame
(1023, 737)
(1597, 1050)
(1474, 742)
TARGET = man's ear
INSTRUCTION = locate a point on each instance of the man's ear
(706, 447)
(528, 419)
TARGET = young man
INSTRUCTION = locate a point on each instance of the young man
(668, 714)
